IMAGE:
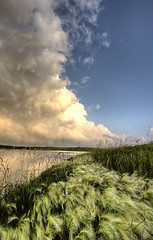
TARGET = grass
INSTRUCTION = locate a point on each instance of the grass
(87, 197)
(34, 148)
(128, 159)
(23, 166)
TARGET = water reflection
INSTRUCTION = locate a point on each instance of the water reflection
(21, 165)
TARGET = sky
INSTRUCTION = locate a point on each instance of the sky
(76, 72)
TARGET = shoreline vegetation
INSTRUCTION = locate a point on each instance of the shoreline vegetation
(86, 149)
(105, 194)
(68, 148)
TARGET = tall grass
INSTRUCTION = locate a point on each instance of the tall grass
(127, 159)
(23, 166)
(24, 194)
(79, 199)
(4, 171)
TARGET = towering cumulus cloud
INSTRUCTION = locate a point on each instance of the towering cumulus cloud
(35, 104)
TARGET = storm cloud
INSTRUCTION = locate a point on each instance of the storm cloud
(36, 105)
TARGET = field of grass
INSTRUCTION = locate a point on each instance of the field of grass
(128, 159)
(101, 195)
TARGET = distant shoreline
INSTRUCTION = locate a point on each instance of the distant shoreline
(10, 147)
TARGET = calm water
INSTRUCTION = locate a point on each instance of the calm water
(20, 165)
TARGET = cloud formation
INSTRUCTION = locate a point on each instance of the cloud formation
(93, 107)
(85, 79)
(105, 40)
(78, 17)
(150, 132)
(36, 105)
(88, 61)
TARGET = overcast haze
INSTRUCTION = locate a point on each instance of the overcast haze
(76, 72)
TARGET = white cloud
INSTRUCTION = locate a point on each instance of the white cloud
(93, 8)
(79, 18)
(81, 84)
(93, 107)
(98, 106)
(36, 105)
(79, 59)
(105, 40)
(85, 79)
(150, 132)
(88, 61)
(72, 61)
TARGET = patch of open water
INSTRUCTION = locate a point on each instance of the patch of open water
(21, 165)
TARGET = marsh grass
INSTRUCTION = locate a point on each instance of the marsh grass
(79, 199)
(24, 194)
(26, 165)
(127, 159)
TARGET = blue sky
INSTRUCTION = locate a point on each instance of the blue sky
(76, 72)
(120, 79)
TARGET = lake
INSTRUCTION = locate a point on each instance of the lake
(21, 165)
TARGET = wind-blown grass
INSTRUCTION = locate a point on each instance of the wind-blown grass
(80, 199)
